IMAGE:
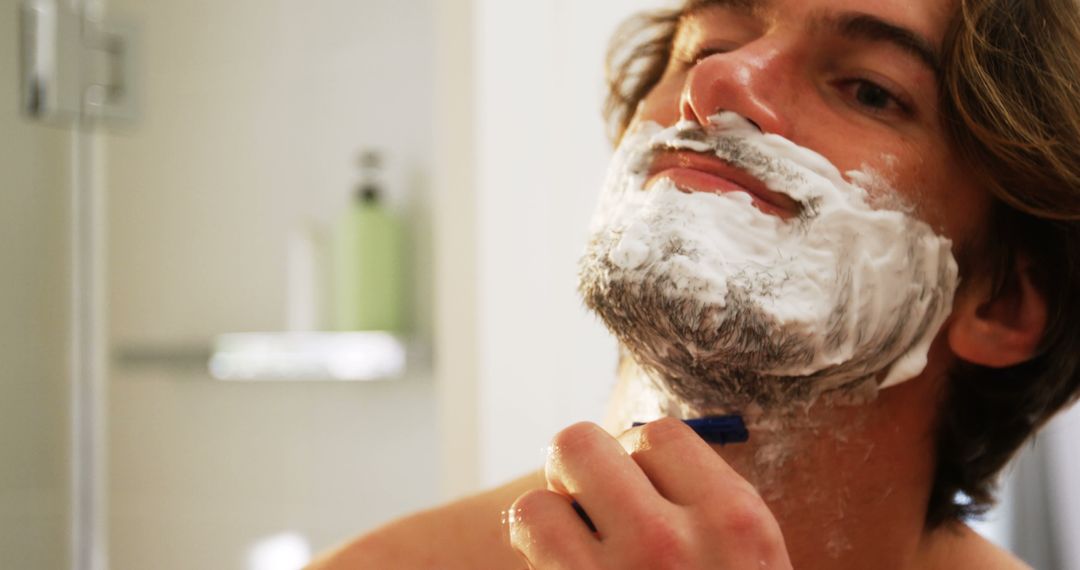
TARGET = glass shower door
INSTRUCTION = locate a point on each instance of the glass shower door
(51, 357)
(35, 398)
(221, 196)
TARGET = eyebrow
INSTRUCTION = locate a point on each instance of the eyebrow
(747, 6)
(864, 27)
(852, 25)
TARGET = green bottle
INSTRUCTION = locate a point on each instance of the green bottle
(369, 265)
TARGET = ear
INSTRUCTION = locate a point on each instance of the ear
(999, 330)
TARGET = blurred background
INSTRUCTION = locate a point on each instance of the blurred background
(197, 369)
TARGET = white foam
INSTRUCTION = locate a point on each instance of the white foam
(892, 275)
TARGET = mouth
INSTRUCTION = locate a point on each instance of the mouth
(699, 172)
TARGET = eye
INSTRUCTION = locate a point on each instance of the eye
(874, 98)
(871, 95)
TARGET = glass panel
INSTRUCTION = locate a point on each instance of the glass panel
(227, 198)
(34, 394)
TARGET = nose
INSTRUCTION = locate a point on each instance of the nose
(741, 81)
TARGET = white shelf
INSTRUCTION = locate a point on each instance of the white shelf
(284, 356)
(344, 356)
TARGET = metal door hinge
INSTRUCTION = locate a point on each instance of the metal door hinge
(75, 66)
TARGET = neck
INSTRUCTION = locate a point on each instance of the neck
(847, 482)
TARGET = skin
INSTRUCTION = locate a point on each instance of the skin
(851, 489)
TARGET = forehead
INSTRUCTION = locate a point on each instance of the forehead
(927, 18)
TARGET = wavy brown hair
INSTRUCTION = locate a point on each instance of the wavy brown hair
(1009, 93)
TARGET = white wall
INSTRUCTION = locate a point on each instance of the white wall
(252, 116)
(454, 231)
(542, 154)
(1064, 497)
(34, 394)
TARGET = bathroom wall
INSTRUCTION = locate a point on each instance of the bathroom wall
(252, 115)
(1063, 469)
(34, 394)
(544, 362)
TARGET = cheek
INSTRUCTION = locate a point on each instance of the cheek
(943, 194)
(920, 172)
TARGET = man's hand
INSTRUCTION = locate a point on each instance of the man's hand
(659, 497)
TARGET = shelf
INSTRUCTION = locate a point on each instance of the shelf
(284, 356)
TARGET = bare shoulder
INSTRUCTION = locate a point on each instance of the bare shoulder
(463, 534)
(956, 546)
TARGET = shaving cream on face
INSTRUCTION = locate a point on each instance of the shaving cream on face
(726, 306)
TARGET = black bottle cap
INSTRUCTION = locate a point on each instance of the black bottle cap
(369, 194)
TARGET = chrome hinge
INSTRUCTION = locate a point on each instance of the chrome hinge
(74, 65)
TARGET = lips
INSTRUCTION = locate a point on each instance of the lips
(697, 172)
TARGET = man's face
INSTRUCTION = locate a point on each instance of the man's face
(745, 300)
(854, 80)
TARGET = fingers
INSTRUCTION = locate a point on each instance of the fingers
(589, 465)
(546, 530)
(688, 472)
(682, 467)
(671, 502)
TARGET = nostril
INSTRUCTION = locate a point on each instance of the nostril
(755, 123)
